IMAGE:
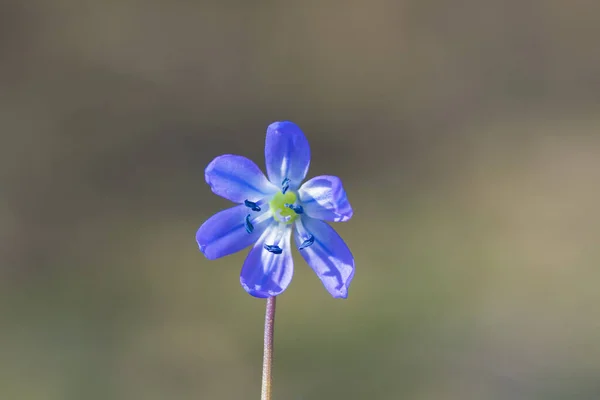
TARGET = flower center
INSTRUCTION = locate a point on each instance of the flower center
(283, 208)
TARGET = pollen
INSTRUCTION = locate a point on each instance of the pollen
(279, 206)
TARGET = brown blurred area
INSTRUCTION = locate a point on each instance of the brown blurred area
(467, 134)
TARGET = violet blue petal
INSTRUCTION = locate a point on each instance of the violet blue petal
(265, 274)
(225, 232)
(237, 178)
(324, 197)
(287, 153)
(328, 256)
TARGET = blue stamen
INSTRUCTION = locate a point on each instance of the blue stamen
(248, 225)
(285, 185)
(308, 242)
(297, 209)
(273, 248)
(252, 205)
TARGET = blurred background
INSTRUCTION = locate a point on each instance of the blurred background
(467, 134)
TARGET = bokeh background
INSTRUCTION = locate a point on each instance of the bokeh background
(468, 137)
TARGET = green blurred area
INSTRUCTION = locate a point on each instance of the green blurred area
(468, 138)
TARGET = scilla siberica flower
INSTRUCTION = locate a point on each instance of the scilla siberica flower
(270, 209)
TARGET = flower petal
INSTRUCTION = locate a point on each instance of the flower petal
(237, 178)
(328, 256)
(225, 232)
(287, 153)
(264, 273)
(324, 197)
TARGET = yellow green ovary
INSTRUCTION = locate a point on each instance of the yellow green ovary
(281, 213)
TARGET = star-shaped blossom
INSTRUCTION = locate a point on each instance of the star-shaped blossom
(270, 209)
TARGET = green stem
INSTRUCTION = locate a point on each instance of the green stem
(268, 349)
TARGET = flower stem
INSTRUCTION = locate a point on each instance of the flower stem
(268, 349)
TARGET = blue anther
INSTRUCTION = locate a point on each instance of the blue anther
(273, 248)
(285, 185)
(252, 205)
(297, 209)
(308, 242)
(248, 224)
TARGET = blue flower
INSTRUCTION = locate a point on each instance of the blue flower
(270, 209)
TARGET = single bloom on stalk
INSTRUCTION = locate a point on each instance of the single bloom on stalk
(270, 210)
